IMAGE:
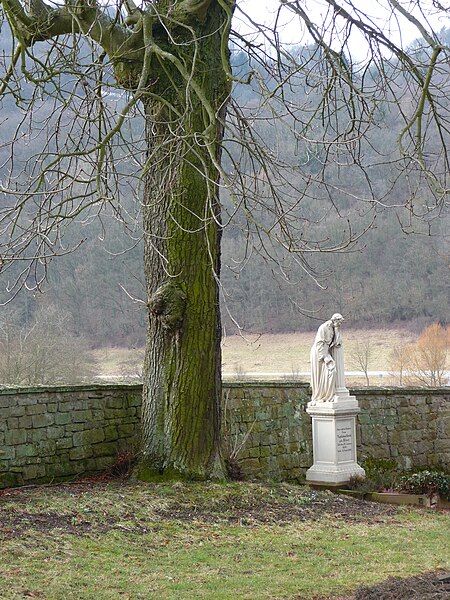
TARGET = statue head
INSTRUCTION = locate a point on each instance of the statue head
(337, 319)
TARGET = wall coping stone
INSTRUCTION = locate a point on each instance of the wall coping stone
(360, 391)
(401, 391)
(253, 383)
(8, 391)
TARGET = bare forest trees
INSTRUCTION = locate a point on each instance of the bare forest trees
(135, 99)
(427, 358)
(400, 362)
(42, 352)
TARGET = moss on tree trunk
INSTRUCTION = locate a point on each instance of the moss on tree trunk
(182, 371)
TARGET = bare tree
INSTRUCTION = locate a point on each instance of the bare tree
(428, 357)
(362, 355)
(135, 99)
(400, 361)
(13, 368)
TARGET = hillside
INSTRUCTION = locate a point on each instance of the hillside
(394, 275)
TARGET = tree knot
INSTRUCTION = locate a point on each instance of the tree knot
(168, 304)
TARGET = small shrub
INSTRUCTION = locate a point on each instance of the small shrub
(381, 475)
(379, 465)
(233, 468)
(361, 484)
(233, 444)
(123, 465)
(426, 482)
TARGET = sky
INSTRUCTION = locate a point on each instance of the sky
(400, 30)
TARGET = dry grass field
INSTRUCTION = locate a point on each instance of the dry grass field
(289, 352)
(270, 356)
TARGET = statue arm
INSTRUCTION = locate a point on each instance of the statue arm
(323, 341)
(338, 339)
(323, 350)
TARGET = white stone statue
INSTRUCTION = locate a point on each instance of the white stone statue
(333, 411)
(327, 364)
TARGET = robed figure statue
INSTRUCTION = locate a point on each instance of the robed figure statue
(323, 364)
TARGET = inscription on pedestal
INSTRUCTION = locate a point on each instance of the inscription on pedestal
(344, 440)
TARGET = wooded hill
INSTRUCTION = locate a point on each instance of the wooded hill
(392, 276)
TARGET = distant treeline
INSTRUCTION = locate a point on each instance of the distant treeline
(395, 278)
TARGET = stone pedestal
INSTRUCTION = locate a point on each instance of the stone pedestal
(334, 440)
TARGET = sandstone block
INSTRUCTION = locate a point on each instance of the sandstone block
(43, 420)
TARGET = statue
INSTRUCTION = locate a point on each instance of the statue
(327, 363)
(333, 411)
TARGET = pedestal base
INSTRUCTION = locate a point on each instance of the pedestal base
(334, 441)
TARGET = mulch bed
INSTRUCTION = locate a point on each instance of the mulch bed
(422, 587)
(430, 586)
(14, 523)
(310, 506)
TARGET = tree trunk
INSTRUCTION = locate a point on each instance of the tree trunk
(181, 212)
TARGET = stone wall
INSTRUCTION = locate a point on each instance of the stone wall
(411, 426)
(268, 428)
(49, 434)
(269, 423)
(56, 433)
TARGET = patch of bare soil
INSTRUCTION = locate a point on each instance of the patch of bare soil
(13, 523)
(431, 586)
(249, 505)
(16, 521)
(281, 509)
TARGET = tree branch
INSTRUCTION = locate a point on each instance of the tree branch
(412, 19)
(45, 23)
(9, 73)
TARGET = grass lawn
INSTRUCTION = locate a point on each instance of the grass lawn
(240, 540)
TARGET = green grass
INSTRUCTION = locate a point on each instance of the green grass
(107, 541)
